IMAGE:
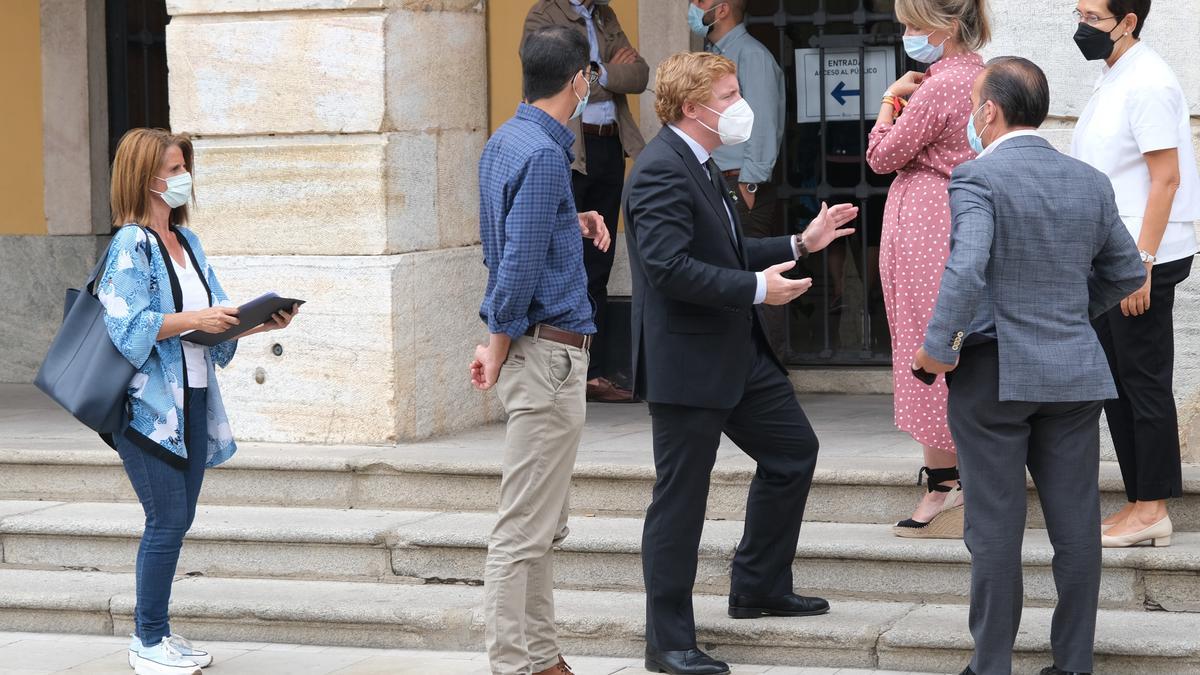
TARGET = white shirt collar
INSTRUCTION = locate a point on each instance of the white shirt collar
(1010, 135)
(702, 155)
(1124, 62)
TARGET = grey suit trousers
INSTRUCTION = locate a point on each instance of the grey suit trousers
(1060, 444)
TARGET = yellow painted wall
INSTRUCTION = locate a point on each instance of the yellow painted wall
(505, 21)
(21, 209)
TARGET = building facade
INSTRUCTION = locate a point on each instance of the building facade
(336, 161)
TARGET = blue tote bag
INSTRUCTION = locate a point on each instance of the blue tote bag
(83, 371)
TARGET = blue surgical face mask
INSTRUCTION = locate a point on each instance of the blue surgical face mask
(696, 19)
(976, 139)
(919, 49)
(583, 102)
(179, 189)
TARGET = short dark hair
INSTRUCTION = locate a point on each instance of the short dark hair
(1019, 88)
(738, 9)
(550, 57)
(1122, 8)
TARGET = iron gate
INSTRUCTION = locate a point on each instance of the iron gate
(841, 320)
(136, 41)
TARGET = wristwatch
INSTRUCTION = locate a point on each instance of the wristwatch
(799, 245)
(1148, 258)
(751, 187)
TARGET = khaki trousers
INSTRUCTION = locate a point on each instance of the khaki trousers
(543, 388)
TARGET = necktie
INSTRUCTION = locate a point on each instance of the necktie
(718, 183)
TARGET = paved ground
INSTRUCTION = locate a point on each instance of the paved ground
(857, 427)
(42, 654)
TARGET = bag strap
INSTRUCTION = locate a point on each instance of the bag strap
(89, 285)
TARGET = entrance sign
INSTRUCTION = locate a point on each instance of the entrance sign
(841, 82)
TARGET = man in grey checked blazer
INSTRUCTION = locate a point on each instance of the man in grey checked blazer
(1037, 249)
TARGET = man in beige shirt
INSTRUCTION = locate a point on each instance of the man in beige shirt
(605, 135)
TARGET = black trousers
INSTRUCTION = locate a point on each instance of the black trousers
(1060, 445)
(600, 190)
(1142, 419)
(766, 424)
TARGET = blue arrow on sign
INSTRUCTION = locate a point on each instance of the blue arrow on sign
(841, 93)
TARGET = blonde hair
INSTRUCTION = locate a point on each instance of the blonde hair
(971, 16)
(139, 155)
(687, 76)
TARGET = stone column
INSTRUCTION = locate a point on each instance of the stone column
(666, 20)
(336, 151)
(1171, 30)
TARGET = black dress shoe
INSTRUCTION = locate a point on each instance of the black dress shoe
(750, 607)
(1053, 670)
(685, 662)
(967, 671)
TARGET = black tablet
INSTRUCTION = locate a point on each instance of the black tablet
(251, 315)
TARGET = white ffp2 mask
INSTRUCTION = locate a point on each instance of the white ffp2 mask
(735, 124)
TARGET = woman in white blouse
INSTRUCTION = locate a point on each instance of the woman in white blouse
(1136, 129)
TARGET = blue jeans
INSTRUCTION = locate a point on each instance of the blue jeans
(168, 492)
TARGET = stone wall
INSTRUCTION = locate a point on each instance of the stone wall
(38, 270)
(336, 155)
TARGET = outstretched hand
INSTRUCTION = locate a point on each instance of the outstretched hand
(780, 289)
(827, 226)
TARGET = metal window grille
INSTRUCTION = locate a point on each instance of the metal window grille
(841, 320)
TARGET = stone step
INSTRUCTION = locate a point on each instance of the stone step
(853, 561)
(889, 635)
(446, 476)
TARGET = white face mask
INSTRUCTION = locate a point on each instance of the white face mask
(735, 124)
(179, 189)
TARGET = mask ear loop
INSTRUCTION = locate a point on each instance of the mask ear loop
(156, 191)
(718, 114)
(585, 82)
(985, 127)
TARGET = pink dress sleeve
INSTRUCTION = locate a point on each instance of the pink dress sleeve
(890, 147)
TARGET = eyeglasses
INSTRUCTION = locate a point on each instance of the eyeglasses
(593, 73)
(1089, 19)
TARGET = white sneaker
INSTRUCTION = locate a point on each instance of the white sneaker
(161, 659)
(185, 647)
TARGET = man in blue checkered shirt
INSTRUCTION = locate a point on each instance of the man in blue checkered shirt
(539, 319)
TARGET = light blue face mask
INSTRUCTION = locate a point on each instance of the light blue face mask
(696, 19)
(583, 102)
(976, 139)
(919, 49)
(179, 189)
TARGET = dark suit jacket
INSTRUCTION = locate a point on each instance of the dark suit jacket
(694, 317)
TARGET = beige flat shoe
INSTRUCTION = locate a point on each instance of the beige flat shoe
(1158, 534)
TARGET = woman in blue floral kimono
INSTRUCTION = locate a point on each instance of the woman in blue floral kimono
(156, 286)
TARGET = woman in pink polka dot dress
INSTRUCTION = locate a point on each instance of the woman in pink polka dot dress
(924, 144)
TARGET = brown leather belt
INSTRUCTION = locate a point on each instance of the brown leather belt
(601, 130)
(732, 173)
(564, 337)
